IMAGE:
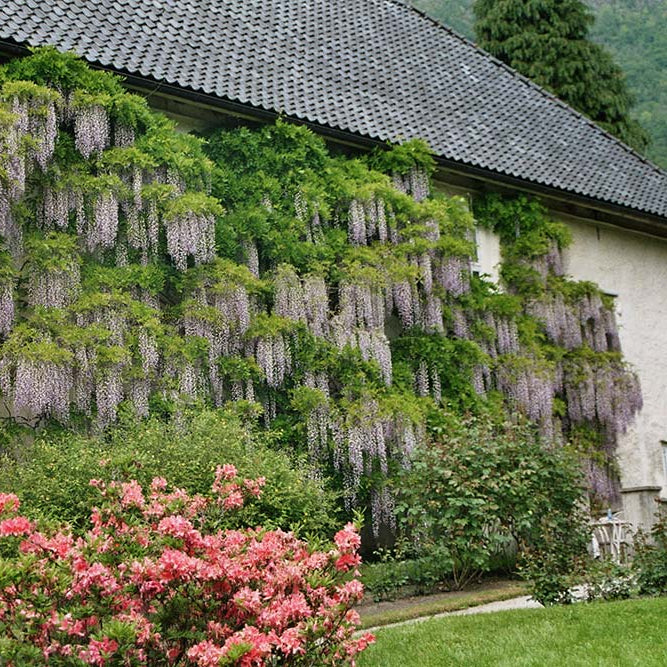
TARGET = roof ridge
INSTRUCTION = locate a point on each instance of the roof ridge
(526, 80)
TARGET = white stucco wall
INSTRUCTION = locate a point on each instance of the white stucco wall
(488, 253)
(633, 267)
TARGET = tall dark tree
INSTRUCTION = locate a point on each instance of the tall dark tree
(547, 41)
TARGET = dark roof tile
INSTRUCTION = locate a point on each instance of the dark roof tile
(373, 67)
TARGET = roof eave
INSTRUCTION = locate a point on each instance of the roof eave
(476, 178)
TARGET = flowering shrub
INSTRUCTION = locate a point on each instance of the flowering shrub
(152, 582)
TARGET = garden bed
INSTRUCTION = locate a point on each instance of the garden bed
(395, 611)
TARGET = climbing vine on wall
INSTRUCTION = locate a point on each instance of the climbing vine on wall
(586, 394)
(259, 267)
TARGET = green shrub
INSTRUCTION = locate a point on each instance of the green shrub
(608, 580)
(394, 571)
(51, 476)
(650, 559)
(429, 571)
(483, 488)
(385, 578)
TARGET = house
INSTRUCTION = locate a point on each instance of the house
(364, 72)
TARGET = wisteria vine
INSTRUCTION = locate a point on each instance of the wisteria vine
(289, 281)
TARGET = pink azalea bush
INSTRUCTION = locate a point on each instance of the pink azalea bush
(153, 582)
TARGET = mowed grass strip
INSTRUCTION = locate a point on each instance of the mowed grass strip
(614, 634)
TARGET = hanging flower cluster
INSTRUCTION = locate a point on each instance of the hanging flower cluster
(360, 306)
(581, 365)
(35, 111)
(84, 379)
(252, 257)
(91, 128)
(427, 381)
(604, 390)
(7, 308)
(28, 133)
(367, 221)
(531, 388)
(134, 198)
(359, 445)
(506, 338)
(364, 441)
(318, 421)
(109, 392)
(142, 222)
(220, 313)
(191, 234)
(587, 321)
(601, 483)
(42, 388)
(551, 263)
(289, 301)
(274, 359)
(316, 305)
(54, 289)
(415, 182)
(453, 275)
(57, 206)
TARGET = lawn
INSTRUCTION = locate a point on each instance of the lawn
(630, 632)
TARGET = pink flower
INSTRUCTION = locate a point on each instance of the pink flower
(248, 600)
(233, 501)
(132, 494)
(254, 486)
(281, 612)
(9, 502)
(348, 539)
(60, 544)
(317, 561)
(347, 562)
(174, 564)
(176, 526)
(247, 596)
(98, 651)
(226, 471)
(259, 644)
(206, 654)
(362, 643)
(158, 484)
(291, 642)
(17, 526)
(350, 591)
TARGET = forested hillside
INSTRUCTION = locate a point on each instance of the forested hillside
(635, 31)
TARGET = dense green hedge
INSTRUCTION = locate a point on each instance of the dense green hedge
(51, 475)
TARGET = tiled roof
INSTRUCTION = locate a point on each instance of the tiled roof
(377, 68)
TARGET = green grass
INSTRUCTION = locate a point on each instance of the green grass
(614, 634)
(385, 613)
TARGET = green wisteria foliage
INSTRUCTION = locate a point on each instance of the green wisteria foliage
(332, 295)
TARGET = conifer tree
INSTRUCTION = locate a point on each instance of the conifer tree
(547, 41)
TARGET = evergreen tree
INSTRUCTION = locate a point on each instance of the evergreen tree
(547, 41)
